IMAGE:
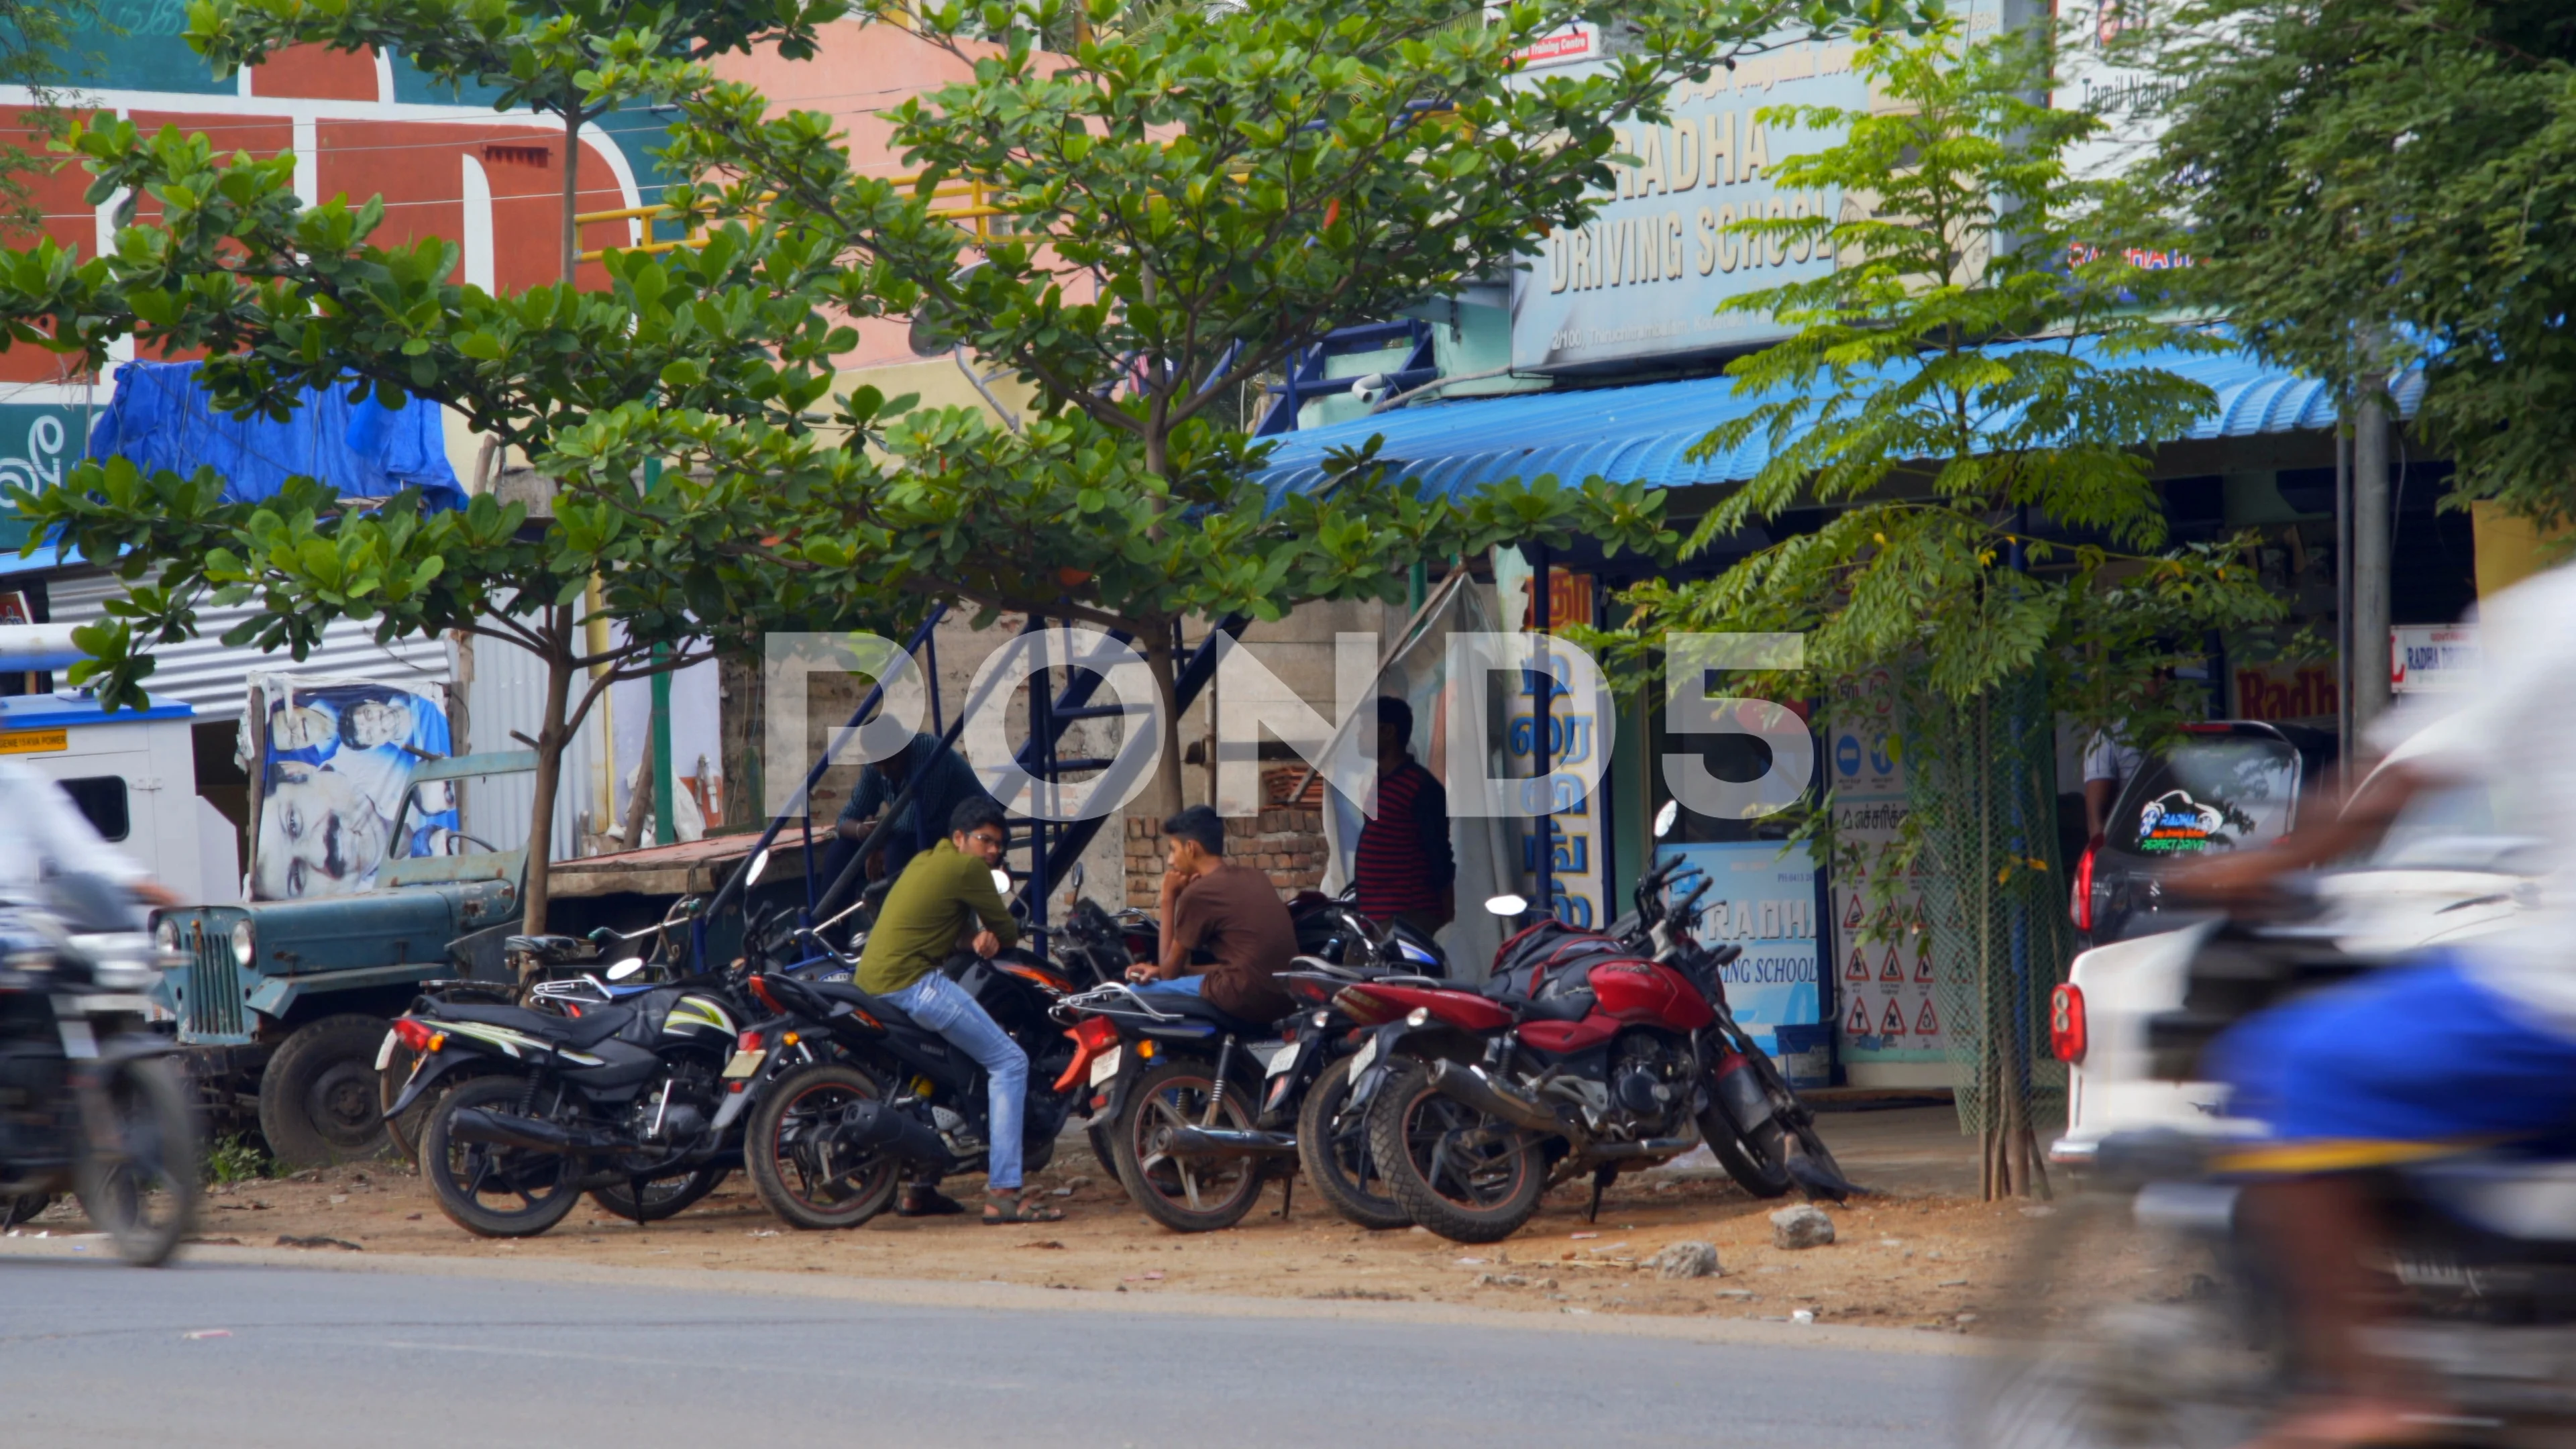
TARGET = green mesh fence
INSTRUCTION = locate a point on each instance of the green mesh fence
(1981, 781)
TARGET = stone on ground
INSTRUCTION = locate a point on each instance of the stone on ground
(1685, 1260)
(1803, 1226)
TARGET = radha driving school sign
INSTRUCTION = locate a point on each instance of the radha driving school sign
(1657, 273)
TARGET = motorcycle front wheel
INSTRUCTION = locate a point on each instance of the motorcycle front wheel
(139, 1179)
(788, 1150)
(491, 1189)
(1458, 1172)
(1333, 1147)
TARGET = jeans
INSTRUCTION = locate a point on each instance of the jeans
(1188, 984)
(943, 1006)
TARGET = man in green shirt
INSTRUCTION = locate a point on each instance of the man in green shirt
(946, 899)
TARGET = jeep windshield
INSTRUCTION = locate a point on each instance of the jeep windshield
(2207, 792)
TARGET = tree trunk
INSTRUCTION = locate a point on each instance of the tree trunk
(1164, 798)
(552, 737)
(640, 801)
(740, 720)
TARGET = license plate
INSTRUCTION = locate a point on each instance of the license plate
(746, 1063)
(1105, 1065)
(1284, 1060)
(385, 1053)
(1360, 1059)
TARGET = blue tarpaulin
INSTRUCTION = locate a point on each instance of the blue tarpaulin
(161, 419)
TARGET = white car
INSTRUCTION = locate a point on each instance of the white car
(2441, 874)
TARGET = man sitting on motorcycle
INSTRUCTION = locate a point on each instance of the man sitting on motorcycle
(1230, 912)
(935, 909)
(2471, 1046)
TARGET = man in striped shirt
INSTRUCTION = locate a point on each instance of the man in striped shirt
(1404, 868)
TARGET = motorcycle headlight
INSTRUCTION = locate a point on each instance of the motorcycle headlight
(242, 944)
(165, 935)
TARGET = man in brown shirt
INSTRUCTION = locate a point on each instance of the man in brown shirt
(1228, 913)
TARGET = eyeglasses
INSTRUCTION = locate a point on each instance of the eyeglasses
(985, 837)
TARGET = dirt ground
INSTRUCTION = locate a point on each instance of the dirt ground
(1914, 1253)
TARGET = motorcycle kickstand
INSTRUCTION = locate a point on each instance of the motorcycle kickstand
(1600, 1179)
(1287, 1194)
(636, 1186)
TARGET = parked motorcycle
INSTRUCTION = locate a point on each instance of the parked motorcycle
(1174, 1079)
(88, 1100)
(850, 1093)
(1584, 1053)
(2145, 1315)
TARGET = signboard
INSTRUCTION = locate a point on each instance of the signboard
(2285, 691)
(1654, 274)
(35, 742)
(1573, 835)
(1888, 1029)
(2432, 658)
(1762, 897)
(335, 772)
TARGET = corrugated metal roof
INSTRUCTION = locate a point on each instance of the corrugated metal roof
(1645, 433)
(213, 676)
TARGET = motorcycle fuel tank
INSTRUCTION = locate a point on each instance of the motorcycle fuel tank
(1649, 993)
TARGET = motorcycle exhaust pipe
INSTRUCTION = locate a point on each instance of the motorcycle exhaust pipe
(1472, 1087)
(1651, 1147)
(1228, 1142)
(475, 1124)
(876, 1127)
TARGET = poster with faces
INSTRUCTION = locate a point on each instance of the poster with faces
(337, 798)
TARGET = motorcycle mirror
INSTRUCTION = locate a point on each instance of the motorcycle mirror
(626, 969)
(751, 872)
(1507, 905)
(1002, 883)
(1665, 818)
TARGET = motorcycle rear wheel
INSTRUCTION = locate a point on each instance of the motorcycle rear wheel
(1333, 1147)
(475, 1183)
(1459, 1173)
(144, 1194)
(781, 1151)
(1202, 1195)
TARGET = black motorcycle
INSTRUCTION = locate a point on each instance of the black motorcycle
(850, 1094)
(89, 1102)
(538, 1106)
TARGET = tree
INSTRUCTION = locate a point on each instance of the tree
(689, 346)
(34, 40)
(1967, 413)
(1173, 210)
(2367, 186)
(542, 56)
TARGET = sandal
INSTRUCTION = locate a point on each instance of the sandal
(1003, 1208)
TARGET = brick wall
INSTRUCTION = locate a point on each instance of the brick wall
(1287, 842)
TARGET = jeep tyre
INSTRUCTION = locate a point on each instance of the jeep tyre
(317, 1099)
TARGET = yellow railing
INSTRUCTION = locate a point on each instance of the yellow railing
(976, 214)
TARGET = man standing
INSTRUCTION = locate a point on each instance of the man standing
(947, 782)
(1229, 912)
(942, 896)
(1403, 866)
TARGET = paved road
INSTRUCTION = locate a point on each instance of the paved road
(94, 1355)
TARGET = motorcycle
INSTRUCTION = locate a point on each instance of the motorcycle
(88, 1100)
(1584, 1053)
(850, 1092)
(2148, 1316)
(535, 1107)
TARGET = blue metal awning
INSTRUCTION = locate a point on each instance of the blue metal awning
(1645, 433)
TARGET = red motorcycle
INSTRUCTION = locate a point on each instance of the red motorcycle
(1585, 1052)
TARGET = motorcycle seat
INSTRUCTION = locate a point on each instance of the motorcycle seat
(876, 1006)
(1199, 1008)
(596, 1024)
(1563, 1006)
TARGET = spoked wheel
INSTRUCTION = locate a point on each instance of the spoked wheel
(664, 1197)
(789, 1151)
(139, 1181)
(2121, 1335)
(491, 1189)
(1458, 1172)
(1190, 1194)
(1333, 1147)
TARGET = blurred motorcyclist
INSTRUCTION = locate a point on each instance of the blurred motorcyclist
(2472, 1044)
(43, 835)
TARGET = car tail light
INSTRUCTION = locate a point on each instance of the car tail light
(415, 1033)
(2067, 1031)
(2081, 906)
